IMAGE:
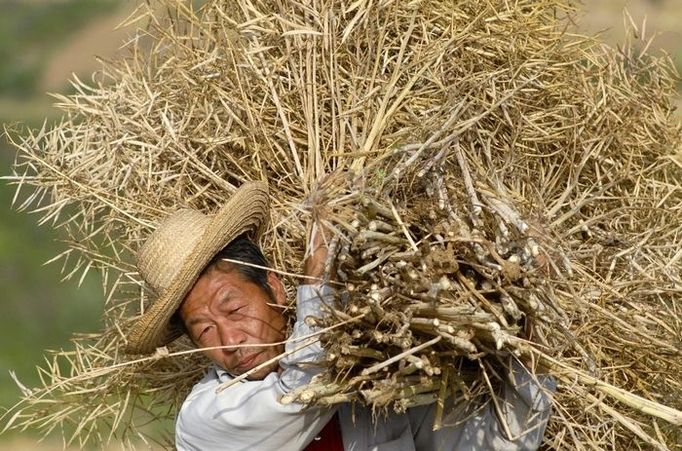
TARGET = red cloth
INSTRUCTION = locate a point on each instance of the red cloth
(329, 438)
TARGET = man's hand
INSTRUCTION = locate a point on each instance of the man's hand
(318, 261)
(529, 333)
(317, 252)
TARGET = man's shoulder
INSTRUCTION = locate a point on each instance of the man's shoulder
(198, 410)
(204, 400)
(206, 387)
(211, 378)
(195, 426)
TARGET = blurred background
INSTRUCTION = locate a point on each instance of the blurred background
(44, 42)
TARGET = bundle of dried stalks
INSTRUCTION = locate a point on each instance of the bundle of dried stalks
(479, 167)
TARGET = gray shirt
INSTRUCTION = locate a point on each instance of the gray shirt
(249, 416)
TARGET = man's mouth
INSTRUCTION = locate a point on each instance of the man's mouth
(247, 362)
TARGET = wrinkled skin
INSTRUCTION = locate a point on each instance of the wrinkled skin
(224, 309)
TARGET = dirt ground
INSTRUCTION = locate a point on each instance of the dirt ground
(661, 18)
(99, 39)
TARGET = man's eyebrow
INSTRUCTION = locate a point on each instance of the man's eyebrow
(225, 296)
(192, 320)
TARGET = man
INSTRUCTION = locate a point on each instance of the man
(234, 312)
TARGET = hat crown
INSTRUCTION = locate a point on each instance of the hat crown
(162, 255)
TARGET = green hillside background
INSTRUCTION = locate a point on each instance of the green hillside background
(42, 43)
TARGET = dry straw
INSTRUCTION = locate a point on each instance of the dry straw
(479, 165)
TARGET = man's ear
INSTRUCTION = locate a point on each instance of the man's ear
(277, 288)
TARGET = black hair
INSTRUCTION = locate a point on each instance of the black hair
(244, 250)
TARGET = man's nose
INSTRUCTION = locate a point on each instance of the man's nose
(230, 336)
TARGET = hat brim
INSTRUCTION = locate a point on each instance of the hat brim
(245, 212)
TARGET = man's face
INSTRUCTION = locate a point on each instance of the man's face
(224, 309)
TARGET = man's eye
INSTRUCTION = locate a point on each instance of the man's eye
(203, 332)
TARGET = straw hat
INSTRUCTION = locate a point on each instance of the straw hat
(177, 252)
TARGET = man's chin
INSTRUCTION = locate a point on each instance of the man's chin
(255, 375)
(262, 373)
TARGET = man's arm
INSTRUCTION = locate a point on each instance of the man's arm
(522, 411)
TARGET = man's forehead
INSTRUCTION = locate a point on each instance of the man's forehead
(215, 285)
